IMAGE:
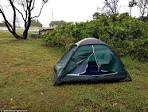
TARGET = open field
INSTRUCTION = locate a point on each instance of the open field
(26, 82)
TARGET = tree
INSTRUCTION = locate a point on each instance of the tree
(25, 8)
(132, 3)
(111, 6)
(143, 7)
(57, 23)
(96, 15)
(36, 23)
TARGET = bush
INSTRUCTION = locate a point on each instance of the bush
(127, 35)
(140, 50)
(60, 37)
(136, 48)
(122, 47)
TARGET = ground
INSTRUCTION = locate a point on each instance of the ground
(26, 82)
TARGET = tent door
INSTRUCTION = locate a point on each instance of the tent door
(92, 69)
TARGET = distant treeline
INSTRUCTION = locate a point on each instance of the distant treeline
(34, 23)
(2, 24)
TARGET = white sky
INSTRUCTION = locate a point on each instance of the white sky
(74, 10)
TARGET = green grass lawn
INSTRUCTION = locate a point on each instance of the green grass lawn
(26, 82)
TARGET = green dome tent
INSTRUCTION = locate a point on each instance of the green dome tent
(90, 60)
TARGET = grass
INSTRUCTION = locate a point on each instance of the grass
(26, 82)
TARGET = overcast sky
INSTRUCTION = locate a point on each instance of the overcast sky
(74, 10)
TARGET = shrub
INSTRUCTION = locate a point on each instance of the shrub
(136, 48)
(127, 35)
(140, 50)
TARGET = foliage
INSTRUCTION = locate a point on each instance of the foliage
(119, 31)
(57, 23)
(145, 18)
(140, 50)
(136, 48)
(36, 23)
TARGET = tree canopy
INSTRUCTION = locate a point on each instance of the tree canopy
(36, 23)
(57, 23)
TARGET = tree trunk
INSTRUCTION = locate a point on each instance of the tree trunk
(27, 26)
(25, 34)
(16, 36)
(130, 11)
